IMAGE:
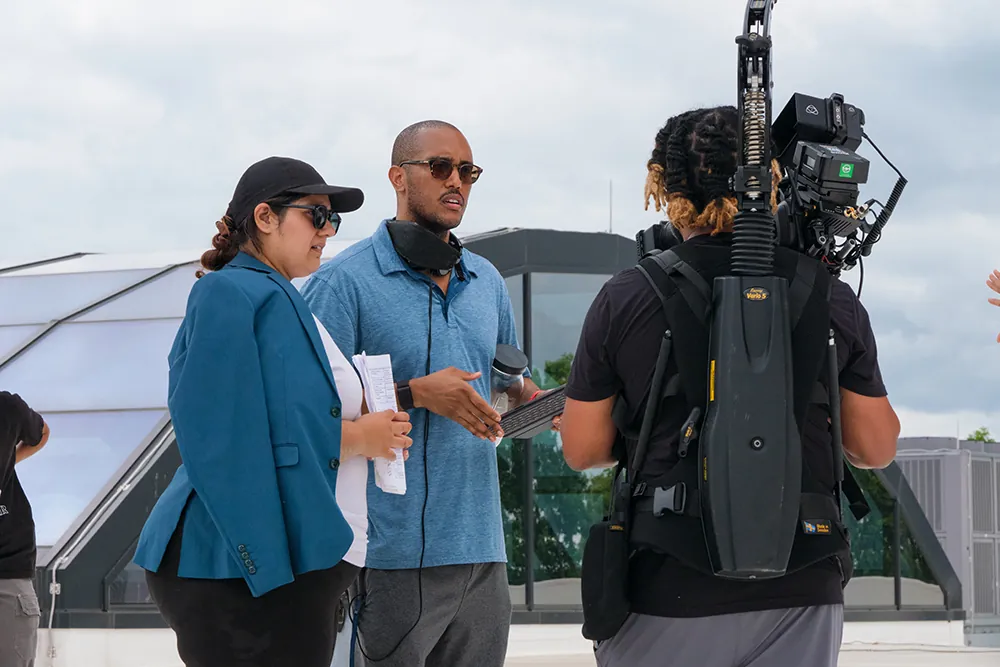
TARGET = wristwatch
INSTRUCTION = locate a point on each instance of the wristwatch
(404, 395)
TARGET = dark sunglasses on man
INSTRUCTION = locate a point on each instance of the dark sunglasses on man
(441, 168)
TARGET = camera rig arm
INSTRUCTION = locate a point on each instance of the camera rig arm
(752, 182)
(754, 230)
(751, 455)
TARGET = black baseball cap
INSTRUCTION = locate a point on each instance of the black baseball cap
(276, 176)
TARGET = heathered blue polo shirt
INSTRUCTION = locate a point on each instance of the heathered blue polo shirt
(372, 302)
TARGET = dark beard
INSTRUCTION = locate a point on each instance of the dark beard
(429, 222)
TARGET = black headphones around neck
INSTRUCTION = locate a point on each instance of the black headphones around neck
(422, 250)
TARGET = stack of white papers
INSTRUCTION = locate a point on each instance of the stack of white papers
(380, 394)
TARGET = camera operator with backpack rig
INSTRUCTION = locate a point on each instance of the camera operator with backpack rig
(674, 610)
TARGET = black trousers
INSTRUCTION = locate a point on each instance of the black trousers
(218, 622)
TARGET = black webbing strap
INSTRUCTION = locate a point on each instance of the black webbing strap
(695, 290)
(846, 483)
(683, 499)
(802, 287)
(652, 283)
(652, 407)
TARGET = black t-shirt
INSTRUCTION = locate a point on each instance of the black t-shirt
(616, 354)
(18, 423)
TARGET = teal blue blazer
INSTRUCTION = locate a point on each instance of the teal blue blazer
(257, 419)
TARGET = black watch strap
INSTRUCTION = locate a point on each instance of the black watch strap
(404, 395)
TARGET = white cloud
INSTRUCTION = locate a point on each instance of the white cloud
(125, 126)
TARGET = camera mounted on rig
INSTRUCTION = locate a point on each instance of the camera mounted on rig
(814, 141)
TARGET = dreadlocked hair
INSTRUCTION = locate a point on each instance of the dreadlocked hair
(695, 155)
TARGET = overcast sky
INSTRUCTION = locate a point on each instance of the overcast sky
(125, 126)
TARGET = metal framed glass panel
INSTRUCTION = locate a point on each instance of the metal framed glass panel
(890, 568)
(38, 299)
(165, 297)
(90, 263)
(559, 303)
(566, 502)
(511, 468)
(84, 450)
(21, 261)
(872, 585)
(918, 587)
(129, 587)
(125, 585)
(515, 287)
(96, 366)
(13, 337)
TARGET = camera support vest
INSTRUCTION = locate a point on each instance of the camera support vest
(666, 507)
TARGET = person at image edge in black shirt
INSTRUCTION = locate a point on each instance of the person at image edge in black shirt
(22, 433)
(680, 616)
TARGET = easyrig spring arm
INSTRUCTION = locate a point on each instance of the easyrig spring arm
(754, 227)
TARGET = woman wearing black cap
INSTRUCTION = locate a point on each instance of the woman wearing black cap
(243, 550)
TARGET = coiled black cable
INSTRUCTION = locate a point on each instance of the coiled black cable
(883, 217)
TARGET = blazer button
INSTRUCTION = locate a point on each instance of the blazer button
(335, 412)
(245, 556)
(241, 548)
(249, 565)
(334, 463)
(252, 570)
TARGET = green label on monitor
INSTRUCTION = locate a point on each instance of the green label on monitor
(846, 170)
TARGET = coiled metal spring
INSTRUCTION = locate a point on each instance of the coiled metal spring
(754, 118)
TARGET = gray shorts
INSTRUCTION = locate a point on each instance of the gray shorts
(804, 636)
(18, 622)
(465, 620)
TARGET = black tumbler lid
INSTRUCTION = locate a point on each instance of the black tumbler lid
(510, 360)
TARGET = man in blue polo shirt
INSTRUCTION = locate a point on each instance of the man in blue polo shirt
(435, 583)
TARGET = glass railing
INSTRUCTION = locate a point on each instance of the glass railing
(890, 569)
(897, 566)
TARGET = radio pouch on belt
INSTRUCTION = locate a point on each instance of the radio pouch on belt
(604, 575)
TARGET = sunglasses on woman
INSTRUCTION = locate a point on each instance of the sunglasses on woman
(320, 215)
(441, 168)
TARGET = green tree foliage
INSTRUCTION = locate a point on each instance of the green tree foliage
(872, 538)
(981, 434)
(566, 502)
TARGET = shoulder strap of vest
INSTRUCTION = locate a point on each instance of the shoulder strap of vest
(801, 287)
(686, 297)
(695, 290)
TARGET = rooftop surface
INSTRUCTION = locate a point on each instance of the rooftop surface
(562, 646)
(850, 656)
